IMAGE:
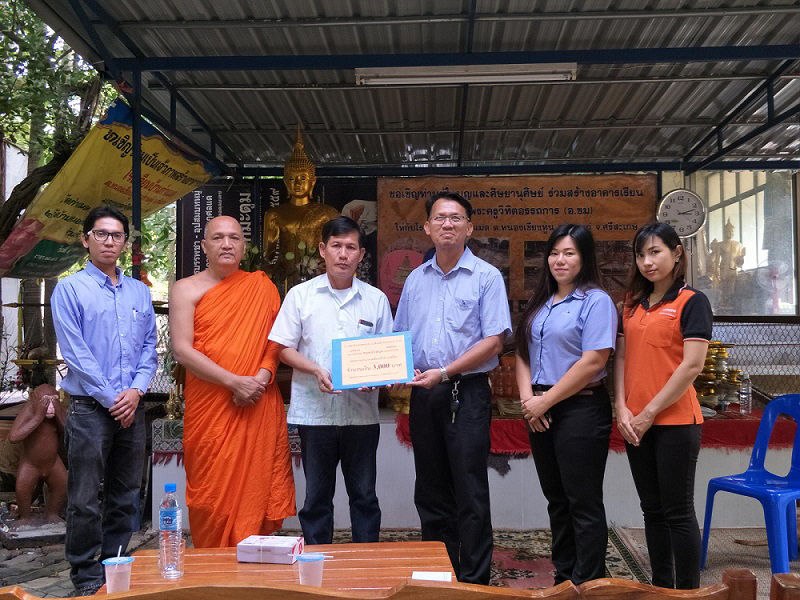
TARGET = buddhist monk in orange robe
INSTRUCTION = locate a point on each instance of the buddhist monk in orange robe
(236, 448)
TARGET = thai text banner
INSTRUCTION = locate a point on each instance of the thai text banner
(47, 239)
(512, 219)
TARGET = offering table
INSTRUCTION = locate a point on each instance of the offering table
(371, 569)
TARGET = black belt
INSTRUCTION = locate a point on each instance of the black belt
(464, 378)
(587, 391)
(468, 376)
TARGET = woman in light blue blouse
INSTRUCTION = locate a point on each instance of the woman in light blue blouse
(563, 342)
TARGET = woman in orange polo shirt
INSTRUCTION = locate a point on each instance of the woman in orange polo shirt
(666, 326)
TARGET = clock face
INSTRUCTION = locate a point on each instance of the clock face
(684, 210)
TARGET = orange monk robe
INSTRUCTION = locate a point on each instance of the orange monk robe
(238, 472)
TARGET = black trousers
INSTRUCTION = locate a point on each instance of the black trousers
(663, 468)
(452, 487)
(570, 460)
(323, 447)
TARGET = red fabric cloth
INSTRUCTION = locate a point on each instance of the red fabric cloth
(161, 457)
(730, 430)
(508, 436)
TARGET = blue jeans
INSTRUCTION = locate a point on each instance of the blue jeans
(99, 451)
(323, 446)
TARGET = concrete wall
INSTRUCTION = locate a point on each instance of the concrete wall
(14, 171)
(517, 500)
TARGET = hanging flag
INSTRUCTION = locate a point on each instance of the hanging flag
(46, 241)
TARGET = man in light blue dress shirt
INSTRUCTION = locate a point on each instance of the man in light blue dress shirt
(456, 308)
(106, 331)
(334, 426)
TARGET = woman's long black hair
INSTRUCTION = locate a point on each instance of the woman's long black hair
(588, 277)
(638, 285)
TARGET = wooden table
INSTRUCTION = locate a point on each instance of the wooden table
(367, 569)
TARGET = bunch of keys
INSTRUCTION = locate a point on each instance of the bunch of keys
(454, 403)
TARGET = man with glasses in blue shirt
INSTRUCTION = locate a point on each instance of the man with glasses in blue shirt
(455, 306)
(106, 331)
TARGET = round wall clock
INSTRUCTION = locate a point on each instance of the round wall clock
(684, 210)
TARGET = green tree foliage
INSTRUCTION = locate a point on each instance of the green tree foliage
(158, 245)
(45, 89)
(43, 84)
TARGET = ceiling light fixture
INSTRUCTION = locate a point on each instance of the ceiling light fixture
(457, 74)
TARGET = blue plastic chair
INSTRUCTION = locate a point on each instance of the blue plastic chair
(778, 495)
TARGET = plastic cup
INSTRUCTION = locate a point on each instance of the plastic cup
(118, 573)
(311, 566)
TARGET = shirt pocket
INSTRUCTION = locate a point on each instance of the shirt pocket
(365, 327)
(660, 332)
(140, 325)
(464, 316)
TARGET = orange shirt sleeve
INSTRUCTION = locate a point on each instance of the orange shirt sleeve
(271, 357)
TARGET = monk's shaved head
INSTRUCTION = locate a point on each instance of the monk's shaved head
(221, 221)
(224, 244)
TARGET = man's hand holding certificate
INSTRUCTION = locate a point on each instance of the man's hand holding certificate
(372, 361)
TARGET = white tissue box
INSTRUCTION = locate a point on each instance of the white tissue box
(279, 549)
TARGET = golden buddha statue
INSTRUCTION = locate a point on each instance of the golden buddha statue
(293, 231)
(727, 257)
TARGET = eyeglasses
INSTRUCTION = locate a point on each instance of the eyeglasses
(454, 219)
(102, 236)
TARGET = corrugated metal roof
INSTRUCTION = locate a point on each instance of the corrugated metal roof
(612, 113)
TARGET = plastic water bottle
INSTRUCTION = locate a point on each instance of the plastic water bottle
(170, 549)
(745, 395)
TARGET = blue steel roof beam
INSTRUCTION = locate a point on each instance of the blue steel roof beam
(162, 123)
(136, 174)
(780, 118)
(360, 21)
(99, 46)
(597, 56)
(275, 87)
(115, 30)
(604, 167)
(196, 116)
(747, 101)
(548, 126)
(116, 73)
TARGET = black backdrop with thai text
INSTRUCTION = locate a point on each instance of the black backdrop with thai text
(248, 201)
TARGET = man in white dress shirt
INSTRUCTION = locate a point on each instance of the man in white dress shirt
(333, 426)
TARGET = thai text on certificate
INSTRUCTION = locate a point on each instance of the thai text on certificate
(374, 359)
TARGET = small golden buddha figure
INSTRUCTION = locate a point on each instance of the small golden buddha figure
(294, 230)
(727, 257)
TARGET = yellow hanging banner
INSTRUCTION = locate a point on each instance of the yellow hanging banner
(46, 241)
